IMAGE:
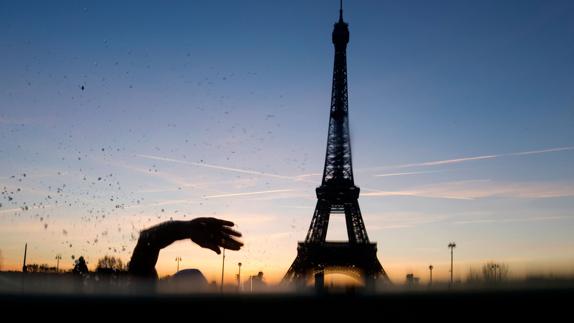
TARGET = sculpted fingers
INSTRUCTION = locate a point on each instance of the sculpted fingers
(230, 243)
(219, 222)
(226, 223)
(230, 232)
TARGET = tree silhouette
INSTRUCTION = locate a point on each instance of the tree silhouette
(42, 268)
(493, 272)
(110, 263)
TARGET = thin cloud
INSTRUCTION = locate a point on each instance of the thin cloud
(401, 220)
(218, 167)
(162, 203)
(30, 207)
(533, 152)
(247, 193)
(170, 178)
(472, 158)
(509, 220)
(11, 210)
(406, 173)
(308, 175)
(476, 189)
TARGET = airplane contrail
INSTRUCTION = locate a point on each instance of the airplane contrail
(465, 159)
(231, 169)
(406, 173)
(247, 193)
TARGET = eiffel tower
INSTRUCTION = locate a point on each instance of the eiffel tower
(337, 194)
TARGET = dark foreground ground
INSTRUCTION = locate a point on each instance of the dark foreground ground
(544, 305)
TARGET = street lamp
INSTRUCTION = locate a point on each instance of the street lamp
(451, 245)
(58, 257)
(430, 270)
(177, 259)
(239, 277)
(222, 269)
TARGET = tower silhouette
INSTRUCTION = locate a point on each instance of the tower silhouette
(337, 193)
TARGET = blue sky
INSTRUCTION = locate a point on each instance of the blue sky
(219, 108)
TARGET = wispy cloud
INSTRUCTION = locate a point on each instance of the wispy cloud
(218, 167)
(11, 210)
(308, 175)
(476, 189)
(162, 203)
(170, 178)
(471, 158)
(296, 207)
(407, 173)
(400, 220)
(510, 220)
(248, 193)
(31, 207)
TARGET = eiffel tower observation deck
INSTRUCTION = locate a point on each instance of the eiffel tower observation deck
(337, 194)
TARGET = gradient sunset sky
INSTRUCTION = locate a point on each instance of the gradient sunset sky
(117, 116)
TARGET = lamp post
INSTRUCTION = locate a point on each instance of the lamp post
(177, 259)
(451, 245)
(58, 257)
(222, 270)
(430, 270)
(24, 268)
(239, 277)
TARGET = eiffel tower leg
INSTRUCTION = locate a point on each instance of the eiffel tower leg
(320, 223)
(355, 226)
(299, 270)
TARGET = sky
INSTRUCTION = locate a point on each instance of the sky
(115, 116)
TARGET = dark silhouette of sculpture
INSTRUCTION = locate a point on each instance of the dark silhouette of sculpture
(188, 280)
(80, 267)
(337, 193)
(208, 233)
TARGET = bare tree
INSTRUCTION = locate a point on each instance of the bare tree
(473, 277)
(493, 272)
(39, 268)
(110, 263)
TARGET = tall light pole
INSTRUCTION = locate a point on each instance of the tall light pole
(177, 259)
(222, 270)
(451, 245)
(24, 268)
(430, 270)
(239, 277)
(58, 257)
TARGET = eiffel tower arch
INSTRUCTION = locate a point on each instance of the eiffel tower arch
(337, 193)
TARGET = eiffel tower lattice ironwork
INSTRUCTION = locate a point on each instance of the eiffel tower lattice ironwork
(337, 193)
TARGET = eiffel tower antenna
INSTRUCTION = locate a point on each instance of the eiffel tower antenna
(337, 194)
